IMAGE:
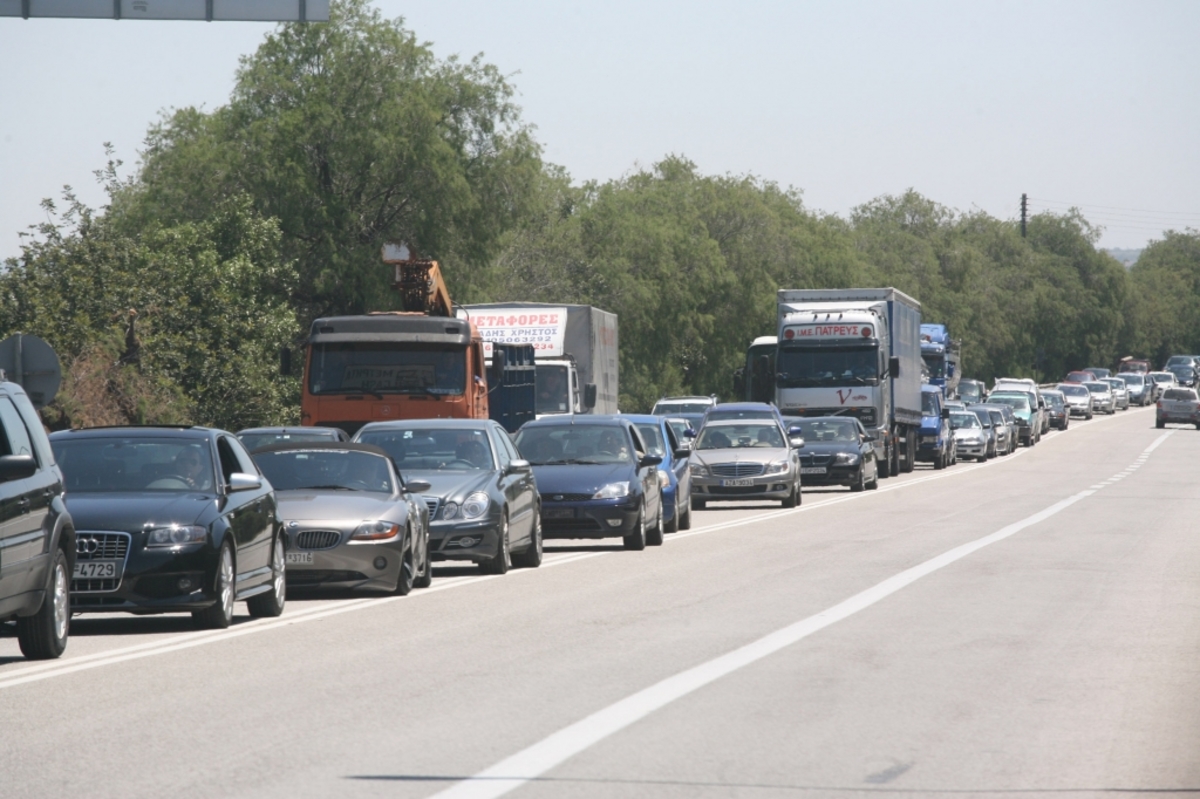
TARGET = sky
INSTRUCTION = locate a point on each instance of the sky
(1090, 104)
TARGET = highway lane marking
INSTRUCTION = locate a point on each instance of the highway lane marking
(550, 752)
(71, 665)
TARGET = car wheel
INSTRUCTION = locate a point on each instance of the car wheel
(939, 461)
(43, 636)
(531, 558)
(874, 484)
(1160, 424)
(271, 603)
(792, 497)
(860, 483)
(220, 614)
(637, 539)
(502, 560)
(673, 525)
(424, 579)
(698, 504)
(408, 575)
(685, 521)
(655, 536)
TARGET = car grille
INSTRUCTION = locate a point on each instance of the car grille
(91, 545)
(317, 539)
(584, 525)
(738, 490)
(567, 497)
(807, 459)
(736, 469)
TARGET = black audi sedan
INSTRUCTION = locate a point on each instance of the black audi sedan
(595, 479)
(837, 451)
(170, 519)
(482, 497)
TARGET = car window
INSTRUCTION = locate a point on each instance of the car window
(134, 463)
(246, 464)
(966, 421)
(502, 454)
(652, 436)
(15, 439)
(984, 416)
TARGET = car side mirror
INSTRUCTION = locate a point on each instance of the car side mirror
(519, 465)
(421, 486)
(797, 442)
(650, 460)
(17, 467)
(945, 413)
(682, 453)
(240, 481)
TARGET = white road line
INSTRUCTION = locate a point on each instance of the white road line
(535, 760)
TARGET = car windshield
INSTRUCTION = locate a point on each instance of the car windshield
(1099, 388)
(544, 445)
(675, 407)
(255, 441)
(1017, 402)
(1179, 360)
(652, 438)
(1054, 400)
(104, 464)
(997, 418)
(984, 416)
(965, 421)
(1074, 391)
(1133, 379)
(740, 436)
(326, 470)
(1162, 377)
(716, 415)
(1098, 371)
(423, 449)
(827, 430)
(969, 391)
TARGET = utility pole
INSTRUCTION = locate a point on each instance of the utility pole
(1024, 209)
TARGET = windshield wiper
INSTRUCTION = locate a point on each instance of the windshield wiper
(327, 488)
(367, 391)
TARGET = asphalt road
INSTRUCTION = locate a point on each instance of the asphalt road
(1026, 627)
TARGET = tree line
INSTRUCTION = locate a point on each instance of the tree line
(241, 225)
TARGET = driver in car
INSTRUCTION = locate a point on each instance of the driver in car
(189, 465)
(473, 452)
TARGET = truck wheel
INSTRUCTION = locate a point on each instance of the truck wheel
(939, 461)
(43, 636)
(909, 462)
(884, 466)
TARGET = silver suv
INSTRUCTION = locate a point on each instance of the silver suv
(37, 537)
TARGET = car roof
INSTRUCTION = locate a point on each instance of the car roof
(435, 424)
(287, 429)
(334, 446)
(155, 431)
(696, 398)
(644, 418)
(585, 419)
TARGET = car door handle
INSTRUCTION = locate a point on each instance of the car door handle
(23, 503)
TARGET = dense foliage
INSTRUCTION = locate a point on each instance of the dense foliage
(243, 224)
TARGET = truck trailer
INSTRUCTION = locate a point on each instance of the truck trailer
(854, 352)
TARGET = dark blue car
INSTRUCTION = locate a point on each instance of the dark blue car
(675, 478)
(596, 479)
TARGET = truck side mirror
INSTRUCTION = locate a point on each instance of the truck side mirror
(285, 361)
(589, 396)
(894, 367)
(739, 382)
(945, 413)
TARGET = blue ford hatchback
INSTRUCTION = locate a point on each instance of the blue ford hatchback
(674, 475)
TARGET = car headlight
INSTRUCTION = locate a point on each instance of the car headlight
(375, 530)
(476, 505)
(450, 511)
(845, 459)
(176, 535)
(698, 470)
(776, 467)
(613, 491)
(664, 479)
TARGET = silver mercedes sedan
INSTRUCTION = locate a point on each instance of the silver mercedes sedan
(350, 519)
(740, 459)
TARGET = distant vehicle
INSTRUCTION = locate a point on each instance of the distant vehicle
(1022, 405)
(1184, 373)
(1178, 406)
(1160, 382)
(1039, 418)
(1057, 410)
(739, 459)
(595, 479)
(1078, 399)
(685, 430)
(1180, 360)
(482, 498)
(1004, 422)
(1138, 386)
(1099, 371)
(838, 450)
(971, 390)
(972, 439)
(352, 522)
(1133, 366)
(1120, 392)
(674, 473)
(678, 406)
(178, 519)
(991, 430)
(742, 410)
(1103, 399)
(37, 535)
(941, 355)
(1079, 377)
(257, 437)
(936, 441)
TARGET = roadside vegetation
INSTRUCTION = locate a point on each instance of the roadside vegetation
(243, 224)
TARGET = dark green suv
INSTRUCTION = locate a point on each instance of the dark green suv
(37, 537)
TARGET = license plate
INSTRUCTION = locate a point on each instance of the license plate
(302, 558)
(736, 483)
(97, 569)
(558, 513)
(812, 470)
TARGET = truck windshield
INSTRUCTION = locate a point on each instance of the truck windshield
(385, 367)
(828, 366)
(929, 404)
(552, 394)
(936, 363)
(968, 391)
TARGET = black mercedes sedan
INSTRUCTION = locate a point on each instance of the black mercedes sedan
(170, 519)
(482, 497)
(595, 479)
(837, 451)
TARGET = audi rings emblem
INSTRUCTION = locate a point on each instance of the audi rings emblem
(86, 545)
